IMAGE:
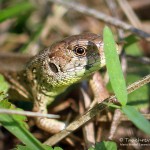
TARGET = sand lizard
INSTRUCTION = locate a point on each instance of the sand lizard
(51, 71)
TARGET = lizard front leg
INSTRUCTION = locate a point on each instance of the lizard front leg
(49, 125)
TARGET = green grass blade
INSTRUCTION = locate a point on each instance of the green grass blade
(137, 118)
(15, 10)
(3, 88)
(16, 123)
(104, 145)
(21, 147)
(114, 67)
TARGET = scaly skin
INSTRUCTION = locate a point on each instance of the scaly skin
(54, 69)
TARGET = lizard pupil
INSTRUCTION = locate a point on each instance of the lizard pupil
(53, 67)
(80, 51)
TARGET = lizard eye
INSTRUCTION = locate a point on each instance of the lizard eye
(53, 67)
(80, 51)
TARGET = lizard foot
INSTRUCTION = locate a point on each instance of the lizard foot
(50, 125)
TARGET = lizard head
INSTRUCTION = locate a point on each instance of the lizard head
(70, 60)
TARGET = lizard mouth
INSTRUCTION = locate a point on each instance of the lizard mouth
(86, 68)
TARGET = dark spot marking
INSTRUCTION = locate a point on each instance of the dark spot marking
(87, 67)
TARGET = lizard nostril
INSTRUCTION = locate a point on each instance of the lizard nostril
(53, 67)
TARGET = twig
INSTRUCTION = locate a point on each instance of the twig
(115, 123)
(137, 5)
(88, 129)
(98, 88)
(142, 60)
(127, 9)
(92, 112)
(97, 14)
(27, 113)
(123, 118)
(113, 7)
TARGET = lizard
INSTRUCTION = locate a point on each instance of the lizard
(53, 70)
